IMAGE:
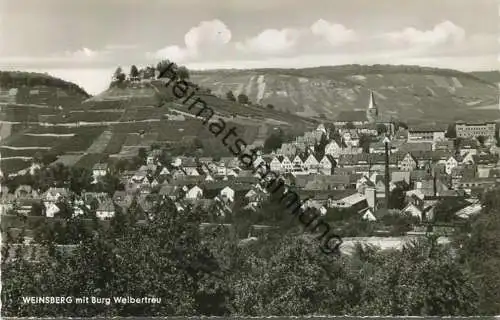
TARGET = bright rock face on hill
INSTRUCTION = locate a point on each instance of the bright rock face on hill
(409, 93)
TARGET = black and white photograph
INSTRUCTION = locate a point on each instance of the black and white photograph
(245, 159)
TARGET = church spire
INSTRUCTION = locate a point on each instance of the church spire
(371, 103)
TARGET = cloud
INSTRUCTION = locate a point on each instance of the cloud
(118, 47)
(84, 53)
(443, 33)
(271, 41)
(335, 34)
(174, 53)
(206, 37)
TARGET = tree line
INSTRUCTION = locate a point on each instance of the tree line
(210, 271)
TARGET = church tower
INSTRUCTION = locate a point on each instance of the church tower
(372, 112)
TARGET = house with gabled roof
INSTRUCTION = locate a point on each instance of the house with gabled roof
(194, 193)
(286, 164)
(451, 162)
(105, 210)
(227, 193)
(408, 163)
(275, 164)
(99, 170)
(25, 191)
(332, 148)
(327, 164)
(311, 163)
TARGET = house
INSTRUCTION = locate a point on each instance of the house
(227, 193)
(194, 193)
(431, 134)
(298, 163)
(153, 156)
(105, 210)
(351, 138)
(368, 215)
(332, 148)
(275, 164)
(51, 209)
(99, 170)
(355, 200)
(408, 163)
(311, 163)
(55, 194)
(451, 163)
(287, 149)
(25, 191)
(468, 146)
(286, 164)
(190, 171)
(327, 164)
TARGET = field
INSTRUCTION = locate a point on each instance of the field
(116, 142)
(69, 159)
(88, 160)
(14, 165)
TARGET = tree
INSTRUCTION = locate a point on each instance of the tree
(451, 132)
(350, 125)
(481, 140)
(397, 198)
(273, 142)
(143, 154)
(319, 148)
(243, 99)
(134, 72)
(118, 72)
(364, 142)
(80, 179)
(163, 66)
(230, 96)
(381, 128)
(480, 252)
(121, 77)
(183, 73)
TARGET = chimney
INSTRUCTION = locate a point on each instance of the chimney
(434, 184)
(387, 179)
(371, 197)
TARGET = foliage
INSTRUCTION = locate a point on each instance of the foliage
(243, 99)
(350, 125)
(451, 132)
(134, 72)
(364, 142)
(397, 198)
(381, 128)
(183, 73)
(480, 253)
(230, 96)
(11, 79)
(481, 140)
(274, 141)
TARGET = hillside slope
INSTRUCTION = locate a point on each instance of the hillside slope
(409, 93)
(121, 120)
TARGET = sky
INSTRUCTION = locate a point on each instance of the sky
(85, 40)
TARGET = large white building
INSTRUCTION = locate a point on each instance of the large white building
(426, 134)
(472, 130)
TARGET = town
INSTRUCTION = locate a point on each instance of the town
(249, 159)
(436, 174)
